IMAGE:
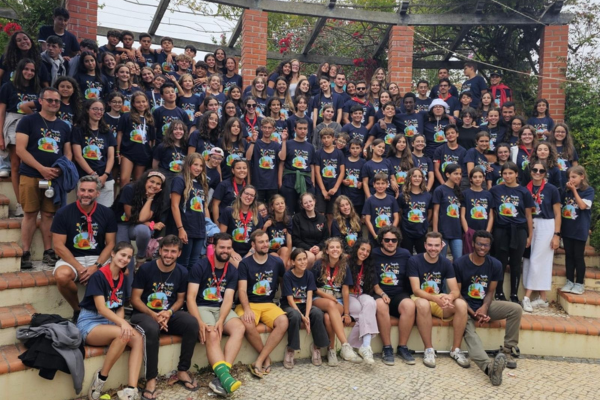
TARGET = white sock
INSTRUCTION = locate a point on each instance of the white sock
(366, 340)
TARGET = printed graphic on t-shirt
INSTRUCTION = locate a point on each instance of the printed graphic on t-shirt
(389, 276)
(159, 300)
(262, 287)
(235, 154)
(478, 287)
(523, 161)
(241, 234)
(49, 141)
(111, 305)
(479, 210)
(383, 218)
(418, 210)
(68, 119)
(330, 168)
(208, 146)
(432, 283)
(570, 209)
(538, 210)
(509, 205)
(24, 98)
(176, 164)
(277, 239)
(439, 136)
(189, 109)
(267, 157)
(300, 161)
(390, 133)
(562, 164)
(138, 134)
(82, 241)
(299, 294)
(453, 209)
(211, 293)
(93, 148)
(94, 90)
(400, 175)
(352, 175)
(196, 201)
(449, 159)
(411, 127)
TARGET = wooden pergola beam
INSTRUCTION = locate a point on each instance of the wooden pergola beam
(237, 31)
(316, 30)
(457, 41)
(402, 10)
(158, 16)
(553, 8)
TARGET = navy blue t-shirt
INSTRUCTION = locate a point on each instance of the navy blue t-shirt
(329, 283)
(238, 231)
(278, 232)
(329, 164)
(225, 192)
(477, 208)
(549, 197)
(425, 164)
(169, 158)
(475, 279)
(13, 97)
(262, 278)
(398, 173)
(192, 211)
(414, 221)
(510, 204)
(213, 177)
(161, 58)
(496, 134)
(474, 86)
(163, 117)
(368, 110)
(431, 276)
(495, 176)
(353, 174)
(299, 157)
(46, 141)
(99, 286)
(70, 43)
(71, 222)
(356, 133)
(155, 100)
(319, 101)
(297, 287)
(92, 87)
(446, 156)
(391, 272)
(135, 142)
(229, 81)
(410, 124)
(371, 167)
(237, 152)
(381, 211)
(434, 135)
(160, 289)
(211, 291)
(189, 105)
(541, 125)
(94, 148)
(387, 134)
(349, 238)
(112, 122)
(473, 155)
(264, 165)
(449, 212)
(575, 221)
(201, 145)
(126, 198)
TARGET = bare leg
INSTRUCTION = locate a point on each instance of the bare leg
(213, 347)
(459, 323)
(104, 335)
(329, 330)
(424, 321)
(28, 227)
(335, 315)
(126, 169)
(407, 320)
(279, 329)
(45, 226)
(253, 338)
(15, 162)
(136, 343)
(65, 281)
(235, 329)
(383, 322)
(138, 171)
(311, 259)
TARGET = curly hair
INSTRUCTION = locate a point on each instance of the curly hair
(341, 264)
(13, 54)
(207, 134)
(367, 266)
(407, 188)
(552, 160)
(568, 149)
(139, 199)
(169, 138)
(353, 218)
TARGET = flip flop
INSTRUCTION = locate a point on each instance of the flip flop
(183, 383)
(152, 392)
(254, 370)
(267, 370)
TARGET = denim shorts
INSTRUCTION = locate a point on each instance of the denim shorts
(88, 320)
(339, 299)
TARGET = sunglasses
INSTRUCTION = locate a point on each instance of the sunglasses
(390, 240)
(538, 170)
(361, 88)
(55, 101)
(250, 105)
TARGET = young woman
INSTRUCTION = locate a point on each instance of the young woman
(297, 301)
(251, 120)
(283, 70)
(576, 221)
(135, 139)
(295, 76)
(125, 86)
(485, 105)
(274, 111)
(301, 107)
(512, 134)
(21, 46)
(423, 162)
(154, 95)
(302, 89)
(537, 268)
(169, 155)
(346, 223)
(546, 153)
(211, 62)
(395, 95)
(561, 138)
(475, 210)
(328, 114)
(467, 137)
(214, 89)
(235, 94)
(434, 126)
(157, 69)
(203, 139)
(231, 77)
(233, 145)
(380, 76)
(71, 102)
(363, 308)
(114, 102)
(415, 205)
(94, 149)
(400, 159)
(496, 131)
(188, 205)
(446, 211)
(384, 98)
(102, 322)
(259, 92)
(376, 163)
(240, 220)
(373, 94)
(523, 151)
(229, 111)
(220, 60)
(513, 227)
(541, 120)
(187, 100)
(24, 87)
(229, 189)
(279, 228)
(108, 63)
(494, 177)
(282, 92)
(147, 82)
(314, 79)
(333, 279)
(475, 157)
(92, 84)
(309, 229)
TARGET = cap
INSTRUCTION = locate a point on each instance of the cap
(496, 72)
(438, 102)
(216, 151)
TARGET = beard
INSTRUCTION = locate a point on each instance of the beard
(222, 257)
(261, 253)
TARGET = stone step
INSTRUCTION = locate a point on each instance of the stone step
(11, 318)
(4, 206)
(592, 258)
(10, 257)
(562, 336)
(10, 231)
(583, 305)
(7, 190)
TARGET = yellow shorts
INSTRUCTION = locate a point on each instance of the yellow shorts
(436, 310)
(266, 313)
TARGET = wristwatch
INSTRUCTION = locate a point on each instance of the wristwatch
(557, 234)
(98, 265)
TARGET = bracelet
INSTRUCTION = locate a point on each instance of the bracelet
(106, 173)
(180, 227)
(171, 310)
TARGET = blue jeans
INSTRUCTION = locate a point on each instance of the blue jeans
(190, 254)
(456, 247)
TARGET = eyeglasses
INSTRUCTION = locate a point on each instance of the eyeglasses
(55, 101)
(538, 170)
(361, 88)
(390, 240)
(483, 245)
(250, 105)
(97, 109)
(249, 195)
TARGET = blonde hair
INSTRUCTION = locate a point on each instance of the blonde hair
(579, 170)
(188, 179)
(339, 218)
(237, 205)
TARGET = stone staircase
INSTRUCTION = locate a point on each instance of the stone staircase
(575, 333)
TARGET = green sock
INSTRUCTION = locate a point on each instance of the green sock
(229, 383)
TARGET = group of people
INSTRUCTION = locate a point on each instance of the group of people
(348, 194)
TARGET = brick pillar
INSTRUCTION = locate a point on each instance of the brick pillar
(254, 43)
(83, 22)
(553, 65)
(400, 57)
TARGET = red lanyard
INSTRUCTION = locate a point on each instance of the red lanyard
(536, 197)
(245, 221)
(525, 150)
(88, 218)
(211, 260)
(113, 290)
(253, 123)
(235, 187)
(330, 278)
(357, 287)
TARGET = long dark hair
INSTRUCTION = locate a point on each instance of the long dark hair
(448, 171)
(13, 54)
(354, 265)
(204, 131)
(139, 198)
(83, 70)
(75, 101)
(19, 81)
(169, 138)
(84, 120)
(279, 70)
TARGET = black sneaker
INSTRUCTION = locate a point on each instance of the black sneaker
(495, 369)
(404, 353)
(217, 388)
(50, 258)
(515, 299)
(500, 296)
(26, 262)
(388, 355)
(510, 361)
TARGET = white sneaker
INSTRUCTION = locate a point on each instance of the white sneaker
(332, 360)
(348, 354)
(539, 303)
(19, 210)
(128, 394)
(367, 354)
(95, 390)
(526, 304)
(429, 358)
(568, 287)
(460, 358)
(578, 288)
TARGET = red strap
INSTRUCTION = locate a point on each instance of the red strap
(357, 288)
(211, 260)
(88, 218)
(330, 278)
(235, 187)
(528, 152)
(536, 197)
(245, 221)
(108, 275)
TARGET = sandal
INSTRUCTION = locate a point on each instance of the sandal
(257, 372)
(152, 393)
(189, 389)
(267, 370)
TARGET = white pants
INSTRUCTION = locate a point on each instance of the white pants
(537, 270)
(85, 261)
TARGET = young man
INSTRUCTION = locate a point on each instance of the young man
(212, 285)
(385, 128)
(352, 184)
(329, 173)
(477, 275)
(296, 170)
(113, 37)
(443, 73)
(507, 113)
(259, 277)
(445, 94)
(427, 273)
(36, 165)
(264, 161)
(368, 118)
(168, 112)
(183, 63)
(392, 292)
(475, 84)
(69, 44)
(324, 98)
(165, 57)
(412, 121)
(157, 298)
(127, 52)
(422, 101)
(145, 50)
(86, 45)
(381, 209)
(54, 62)
(500, 92)
(448, 153)
(339, 86)
(83, 234)
(355, 129)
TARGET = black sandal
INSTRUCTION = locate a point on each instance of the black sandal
(189, 389)
(152, 393)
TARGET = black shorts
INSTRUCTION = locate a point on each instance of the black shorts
(395, 303)
(324, 206)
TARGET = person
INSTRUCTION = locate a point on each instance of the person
(392, 290)
(279, 228)
(157, 299)
(385, 129)
(166, 57)
(314, 79)
(333, 280)
(499, 91)
(328, 122)
(546, 153)
(273, 110)
(411, 121)
(329, 173)
(325, 96)
(448, 153)
(53, 61)
(377, 164)
(434, 126)
(168, 156)
(508, 112)
(259, 278)
(339, 84)
(475, 84)
(283, 70)
(476, 208)
(494, 176)
(188, 205)
(443, 73)
(352, 184)
(187, 100)
(422, 161)
(478, 275)
(124, 85)
(475, 157)
(108, 64)
(21, 46)
(355, 129)
(102, 323)
(113, 37)
(92, 84)
(447, 97)
(467, 137)
(283, 94)
(497, 131)
(363, 308)
(576, 213)
(346, 222)
(233, 145)
(297, 302)
(309, 228)
(60, 18)
(206, 136)
(360, 99)
(252, 118)
(220, 61)
(44, 130)
(484, 107)
(423, 101)
(513, 227)
(301, 104)
(415, 211)
(146, 55)
(381, 209)
(446, 211)
(522, 152)
(541, 120)
(24, 87)
(212, 285)
(114, 103)
(562, 139)
(537, 268)
(428, 273)
(228, 190)
(465, 99)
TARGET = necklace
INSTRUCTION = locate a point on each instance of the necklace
(163, 281)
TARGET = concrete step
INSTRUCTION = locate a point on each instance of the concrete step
(7, 190)
(11, 318)
(583, 305)
(10, 231)
(10, 257)
(592, 258)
